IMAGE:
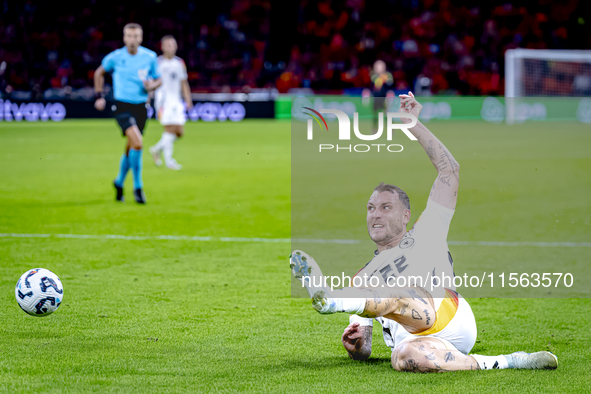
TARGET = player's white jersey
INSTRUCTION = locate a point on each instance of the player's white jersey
(422, 252)
(173, 72)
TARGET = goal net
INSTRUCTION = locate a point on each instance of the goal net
(549, 73)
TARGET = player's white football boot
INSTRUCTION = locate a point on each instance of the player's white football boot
(307, 271)
(156, 155)
(173, 165)
(538, 360)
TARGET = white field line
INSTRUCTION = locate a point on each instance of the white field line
(279, 240)
(535, 244)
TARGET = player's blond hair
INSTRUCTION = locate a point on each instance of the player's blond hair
(133, 25)
(402, 196)
(167, 37)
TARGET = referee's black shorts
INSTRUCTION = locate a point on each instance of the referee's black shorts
(128, 115)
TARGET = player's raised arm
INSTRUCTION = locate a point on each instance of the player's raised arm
(445, 188)
(357, 341)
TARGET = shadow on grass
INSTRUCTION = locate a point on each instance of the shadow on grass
(333, 362)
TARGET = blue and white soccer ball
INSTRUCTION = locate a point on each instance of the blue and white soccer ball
(39, 292)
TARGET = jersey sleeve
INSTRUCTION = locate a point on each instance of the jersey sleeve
(434, 221)
(108, 62)
(363, 322)
(154, 72)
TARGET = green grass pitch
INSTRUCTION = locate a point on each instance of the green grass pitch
(160, 316)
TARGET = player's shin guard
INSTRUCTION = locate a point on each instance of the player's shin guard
(135, 162)
(123, 169)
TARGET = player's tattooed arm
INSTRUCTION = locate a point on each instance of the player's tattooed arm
(445, 188)
(357, 341)
(446, 165)
(446, 185)
(365, 350)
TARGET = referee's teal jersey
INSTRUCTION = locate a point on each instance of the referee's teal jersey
(129, 73)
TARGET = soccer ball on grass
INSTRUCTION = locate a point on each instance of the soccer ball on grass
(39, 292)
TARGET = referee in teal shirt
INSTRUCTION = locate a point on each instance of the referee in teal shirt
(135, 74)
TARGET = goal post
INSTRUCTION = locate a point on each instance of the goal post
(545, 73)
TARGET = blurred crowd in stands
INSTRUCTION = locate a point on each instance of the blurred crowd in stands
(432, 46)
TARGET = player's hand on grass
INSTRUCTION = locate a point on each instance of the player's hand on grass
(409, 104)
(100, 104)
(353, 338)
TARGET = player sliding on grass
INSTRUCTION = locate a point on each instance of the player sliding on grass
(428, 331)
(168, 102)
(135, 74)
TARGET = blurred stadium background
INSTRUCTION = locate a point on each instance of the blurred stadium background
(240, 46)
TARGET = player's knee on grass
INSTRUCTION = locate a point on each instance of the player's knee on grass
(410, 357)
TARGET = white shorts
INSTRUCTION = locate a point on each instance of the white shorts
(460, 332)
(172, 113)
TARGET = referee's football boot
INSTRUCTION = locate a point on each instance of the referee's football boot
(139, 196)
(119, 193)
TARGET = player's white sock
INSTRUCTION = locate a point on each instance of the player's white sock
(160, 144)
(353, 305)
(168, 146)
(349, 299)
(325, 304)
(492, 362)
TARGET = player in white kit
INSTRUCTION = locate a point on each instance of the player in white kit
(428, 331)
(169, 102)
